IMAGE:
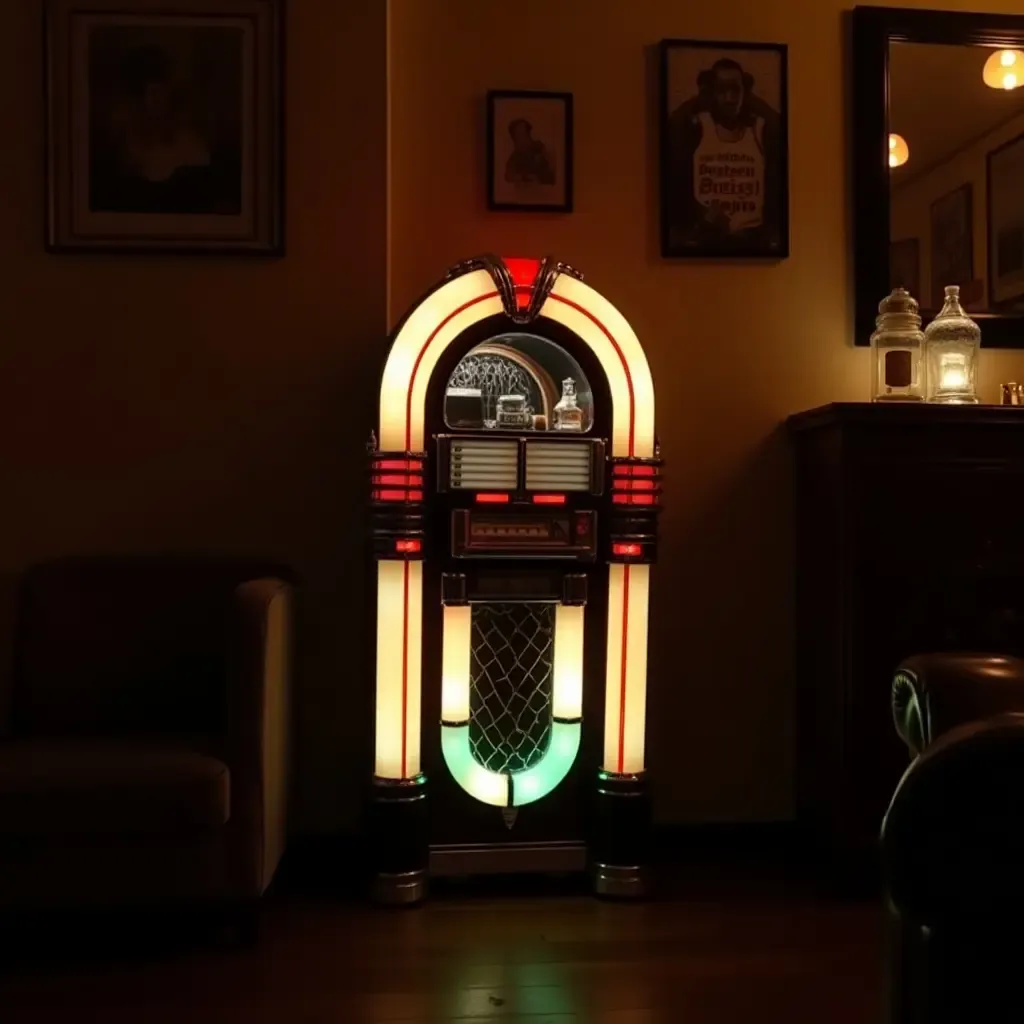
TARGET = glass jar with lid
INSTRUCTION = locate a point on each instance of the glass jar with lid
(897, 369)
(951, 343)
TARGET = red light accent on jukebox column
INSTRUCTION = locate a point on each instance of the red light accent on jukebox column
(491, 499)
(524, 276)
(636, 483)
(396, 479)
(399, 479)
(549, 499)
(396, 495)
(627, 550)
(410, 546)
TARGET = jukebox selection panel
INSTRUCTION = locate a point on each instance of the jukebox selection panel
(521, 497)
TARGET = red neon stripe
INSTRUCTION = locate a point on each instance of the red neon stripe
(405, 656)
(626, 470)
(419, 358)
(618, 351)
(491, 499)
(549, 499)
(622, 676)
(399, 479)
(408, 464)
(390, 495)
(626, 550)
(407, 546)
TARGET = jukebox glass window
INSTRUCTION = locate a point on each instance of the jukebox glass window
(510, 684)
(519, 382)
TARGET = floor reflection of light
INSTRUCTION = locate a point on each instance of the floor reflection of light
(510, 984)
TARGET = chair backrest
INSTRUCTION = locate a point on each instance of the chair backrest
(126, 646)
(953, 837)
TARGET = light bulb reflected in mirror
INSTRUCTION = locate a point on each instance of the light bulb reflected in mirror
(899, 151)
(1004, 70)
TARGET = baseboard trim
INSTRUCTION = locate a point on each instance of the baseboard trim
(340, 862)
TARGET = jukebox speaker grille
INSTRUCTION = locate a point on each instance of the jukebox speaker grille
(484, 465)
(510, 684)
(557, 467)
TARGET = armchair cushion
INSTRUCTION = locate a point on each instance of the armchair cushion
(932, 693)
(73, 789)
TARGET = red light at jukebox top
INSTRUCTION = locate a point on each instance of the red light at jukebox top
(627, 550)
(491, 499)
(524, 276)
(411, 546)
(549, 499)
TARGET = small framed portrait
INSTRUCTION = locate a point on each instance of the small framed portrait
(529, 151)
(1005, 215)
(724, 150)
(164, 126)
(951, 221)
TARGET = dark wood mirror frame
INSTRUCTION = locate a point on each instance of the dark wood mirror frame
(874, 28)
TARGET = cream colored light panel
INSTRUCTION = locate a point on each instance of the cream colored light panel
(399, 614)
(567, 671)
(456, 643)
(584, 296)
(421, 324)
(633, 739)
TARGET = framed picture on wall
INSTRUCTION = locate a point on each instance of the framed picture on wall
(952, 244)
(164, 126)
(1005, 216)
(905, 265)
(529, 151)
(724, 150)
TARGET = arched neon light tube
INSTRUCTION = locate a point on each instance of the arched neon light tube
(502, 789)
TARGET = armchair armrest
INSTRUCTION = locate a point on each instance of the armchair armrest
(932, 693)
(258, 728)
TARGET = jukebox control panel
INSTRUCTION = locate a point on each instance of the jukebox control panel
(518, 497)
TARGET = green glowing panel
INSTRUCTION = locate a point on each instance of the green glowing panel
(536, 782)
(486, 786)
(527, 786)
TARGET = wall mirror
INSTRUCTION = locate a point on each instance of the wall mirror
(938, 164)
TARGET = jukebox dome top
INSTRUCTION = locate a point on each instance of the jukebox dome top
(485, 389)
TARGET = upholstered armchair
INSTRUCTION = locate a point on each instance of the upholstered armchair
(144, 755)
(953, 840)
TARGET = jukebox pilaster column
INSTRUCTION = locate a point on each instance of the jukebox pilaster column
(398, 815)
(621, 831)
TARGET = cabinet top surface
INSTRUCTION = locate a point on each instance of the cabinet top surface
(904, 414)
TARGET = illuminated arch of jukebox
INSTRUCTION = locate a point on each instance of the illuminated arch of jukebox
(523, 290)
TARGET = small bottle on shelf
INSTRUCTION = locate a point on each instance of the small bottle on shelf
(567, 414)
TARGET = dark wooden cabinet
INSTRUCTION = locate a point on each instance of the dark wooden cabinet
(910, 538)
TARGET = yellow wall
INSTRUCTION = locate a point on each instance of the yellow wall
(734, 348)
(183, 403)
(911, 206)
(225, 404)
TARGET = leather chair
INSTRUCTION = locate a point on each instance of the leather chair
(952, 841)
(144, 755)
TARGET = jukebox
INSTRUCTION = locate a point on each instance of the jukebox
(515, 485)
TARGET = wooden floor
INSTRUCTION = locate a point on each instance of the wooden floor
(717, 952)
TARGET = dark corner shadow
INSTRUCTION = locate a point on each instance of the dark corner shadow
(10, 586)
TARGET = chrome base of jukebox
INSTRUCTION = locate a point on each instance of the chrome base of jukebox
(508, 859)
(623, 883)
(404, 889)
